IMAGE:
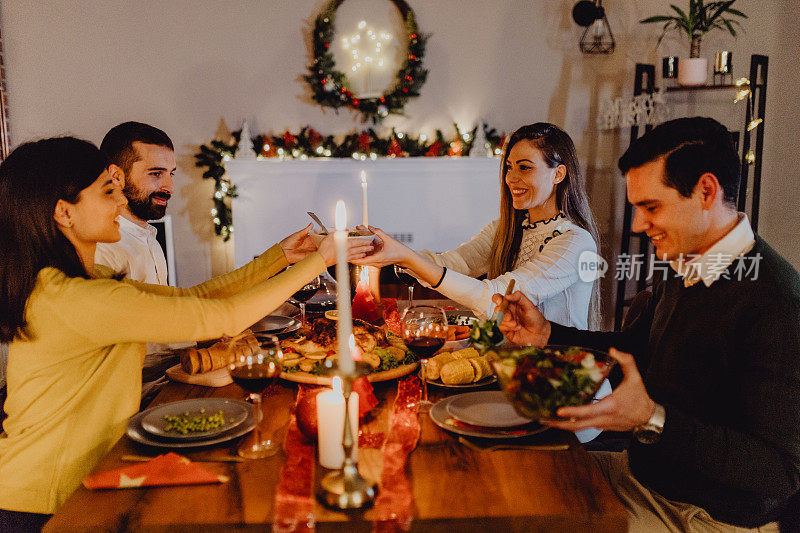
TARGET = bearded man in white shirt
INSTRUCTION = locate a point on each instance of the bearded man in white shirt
(143, 159)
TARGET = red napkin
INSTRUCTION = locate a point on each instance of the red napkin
(168, 469)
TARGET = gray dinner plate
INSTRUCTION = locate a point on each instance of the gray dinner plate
(137, 433)
(442, 418)
(275, 324)
(234, 411)
(486, 408)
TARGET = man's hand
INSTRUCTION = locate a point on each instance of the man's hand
(628, 407)
(298, 245)
(523, 323)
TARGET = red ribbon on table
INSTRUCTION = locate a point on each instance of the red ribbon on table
(395, 502)
(294, 503)
(294, 507)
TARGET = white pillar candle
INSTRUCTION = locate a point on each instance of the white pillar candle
(330, 424)
(364, 197)
(344, 325)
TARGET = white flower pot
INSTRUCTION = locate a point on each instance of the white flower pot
(692, 71)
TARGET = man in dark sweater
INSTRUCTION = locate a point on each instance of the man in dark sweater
(711, 368)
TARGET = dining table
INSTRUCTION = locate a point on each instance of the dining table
(542, 482)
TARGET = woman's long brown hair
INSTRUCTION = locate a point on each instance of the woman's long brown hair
(557, 149)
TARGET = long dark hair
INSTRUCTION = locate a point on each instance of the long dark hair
(557, 149)
(32, 180)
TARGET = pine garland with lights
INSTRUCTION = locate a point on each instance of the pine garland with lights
(330, 86)
(309, 143)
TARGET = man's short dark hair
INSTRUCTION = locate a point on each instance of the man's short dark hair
(692, 146)
(118, 142)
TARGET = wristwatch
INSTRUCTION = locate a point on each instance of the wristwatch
(650, 431)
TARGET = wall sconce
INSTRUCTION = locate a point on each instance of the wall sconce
(597, 38)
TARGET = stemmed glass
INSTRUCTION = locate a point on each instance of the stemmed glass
(424, 332)
(408, 280)
(254, 373)
(304, 294)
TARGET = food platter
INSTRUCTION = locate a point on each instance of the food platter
(313, 350)
(386, 375)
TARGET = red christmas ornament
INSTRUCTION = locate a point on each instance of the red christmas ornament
(394, 149)
(433, 151)
(314, 137)
(289, 139)
(356, 102)
(364, 141)
(455, 148)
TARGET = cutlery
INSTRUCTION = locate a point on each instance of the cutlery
(318, 221)
(219, 459)
(486, 430)
(493, 447)
(497, 316)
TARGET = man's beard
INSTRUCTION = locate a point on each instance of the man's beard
(144, 208)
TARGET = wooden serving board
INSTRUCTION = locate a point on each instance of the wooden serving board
(386, 375)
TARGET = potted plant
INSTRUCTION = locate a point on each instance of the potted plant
(700, 19)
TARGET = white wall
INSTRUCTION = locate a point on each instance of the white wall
(81, 67)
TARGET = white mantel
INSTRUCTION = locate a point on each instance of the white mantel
(439, 202)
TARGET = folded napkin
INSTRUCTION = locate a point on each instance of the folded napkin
(168, 469)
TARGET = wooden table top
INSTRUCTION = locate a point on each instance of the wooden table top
(455, 488)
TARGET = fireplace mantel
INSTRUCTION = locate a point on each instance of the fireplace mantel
(427, 202)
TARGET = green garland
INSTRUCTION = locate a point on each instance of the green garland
(308, 143)
(330, 86)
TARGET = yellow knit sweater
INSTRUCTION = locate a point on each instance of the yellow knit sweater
(76, 379)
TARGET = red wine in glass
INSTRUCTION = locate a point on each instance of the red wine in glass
(304, 294)
(255, 379)
(408, 280)
(254, 372)
(424, 330)
(424, 347)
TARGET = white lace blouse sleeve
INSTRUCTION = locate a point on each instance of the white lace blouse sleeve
(550, 272)
(470, 258)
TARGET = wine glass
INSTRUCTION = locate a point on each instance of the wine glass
(424, 332)
(407, 279)
(304, 294)
(254, 373)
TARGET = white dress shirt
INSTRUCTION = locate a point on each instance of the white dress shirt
(137, 255)
(710, 265)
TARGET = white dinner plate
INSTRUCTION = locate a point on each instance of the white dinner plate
(489, 409)
(442, 418)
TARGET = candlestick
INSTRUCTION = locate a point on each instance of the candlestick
(330, 421)
(344, 325)
(364, 197)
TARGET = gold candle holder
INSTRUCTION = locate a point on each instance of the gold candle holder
(723, 66)
(346, 488)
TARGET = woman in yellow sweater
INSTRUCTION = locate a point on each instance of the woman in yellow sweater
(77, 334)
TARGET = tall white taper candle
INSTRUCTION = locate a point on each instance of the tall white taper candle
(364, 197)
(344, 326)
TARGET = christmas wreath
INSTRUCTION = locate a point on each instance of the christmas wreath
(330, 86)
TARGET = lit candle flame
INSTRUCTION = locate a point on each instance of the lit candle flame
(341, 216)
(336, 382)
(363, 178)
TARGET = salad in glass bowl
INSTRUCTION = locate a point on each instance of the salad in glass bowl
(539, 381)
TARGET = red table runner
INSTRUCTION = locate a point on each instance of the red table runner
(294, 503)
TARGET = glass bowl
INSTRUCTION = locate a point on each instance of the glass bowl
(539, 381)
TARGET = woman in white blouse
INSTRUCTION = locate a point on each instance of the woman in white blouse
(545, 224)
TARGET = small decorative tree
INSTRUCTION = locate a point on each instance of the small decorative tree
(700, 19)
